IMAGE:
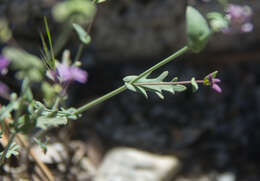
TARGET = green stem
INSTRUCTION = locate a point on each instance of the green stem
(163, 62)
(81, 46)
(100, 100)
(123, 88)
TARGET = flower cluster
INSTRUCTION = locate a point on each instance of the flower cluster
(239, 18)
(213, 83)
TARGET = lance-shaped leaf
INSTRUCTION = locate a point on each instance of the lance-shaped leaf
(47, 55)
(156, 85)
(82, 34)
(194, 85)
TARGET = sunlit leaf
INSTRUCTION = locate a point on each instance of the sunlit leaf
(82, 34)
(197, 29)
(194, 84)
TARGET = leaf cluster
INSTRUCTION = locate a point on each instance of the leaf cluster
(156, 85)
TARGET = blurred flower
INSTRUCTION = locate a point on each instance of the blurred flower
(213, 83)
(71, 73)
(239, 17)
(4, 90)
(4, 62)
(67, 73)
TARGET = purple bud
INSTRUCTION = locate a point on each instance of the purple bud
(216, 88)
(213, 83)
(4, 62)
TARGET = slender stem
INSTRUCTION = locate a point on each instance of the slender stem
(169, 83)
(10, 141)
(163, 62)
(123, 88)
(100, 100)
(79, 52)
(81, 46)
(56, 103)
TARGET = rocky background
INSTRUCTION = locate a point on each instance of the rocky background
(206, 136)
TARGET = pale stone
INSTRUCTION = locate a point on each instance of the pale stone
(127, 164)
(56, 153)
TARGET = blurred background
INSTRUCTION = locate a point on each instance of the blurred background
(213, 136)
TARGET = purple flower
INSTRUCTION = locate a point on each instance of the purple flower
(4, 62)
(4, 90)
(71, 73)
(213, 83)
(66, 73)
(239, 17)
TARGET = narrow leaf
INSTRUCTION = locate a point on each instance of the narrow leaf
(82, 34)
(142, 90)
(179, 88)
(194, 84)
(130, 87)
(174, 79)
(163, 76)
(159, 95)
(50, 43)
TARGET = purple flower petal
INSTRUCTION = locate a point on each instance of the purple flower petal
(216, 88)
(4, 62)
(66, 73)
(247, 27)
(239, 17)
(216, 80)
(78, 74)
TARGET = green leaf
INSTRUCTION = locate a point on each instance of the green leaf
(43, 145)
(75, 11)
(175, 79)
(45, 122)
(82, 34)
(179, 88)
(194, 84)
(26, 64)
(5, 111)
(156, 85)
(197, 29)
(13, 150)
(129, 78)
(68, 113)
(163, 76)
(100, 1)
(48, 56)
(130, 87)
(142, 90)
(159, 95)
(26, 90)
